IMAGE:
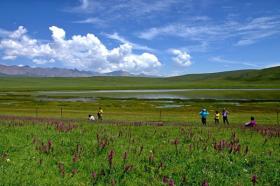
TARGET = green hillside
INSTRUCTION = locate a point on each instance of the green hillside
(265, 78)
(268, 74)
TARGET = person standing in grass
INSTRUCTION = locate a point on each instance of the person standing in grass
(217, 117)
(100, 114)
(225, 116)
(203, 114)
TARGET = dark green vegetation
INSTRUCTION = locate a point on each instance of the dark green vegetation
(54, 153)
(268, 74)
(266, 78)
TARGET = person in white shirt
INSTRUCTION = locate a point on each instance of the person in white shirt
(91, 118)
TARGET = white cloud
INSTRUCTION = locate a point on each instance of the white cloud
(245, 33)
(220, 59)
(18, 33)
(117, 37)
(85, 6)
(191, 32)
(136, 7)
(57, 33)
(141, 7)
(17, 43)
(261, 23)
(92, 20)
(255, 36)
(9, 57)
(181, 57)
(152, 33)
(43, 61)
(119, 10)
(272, 65)
(82, 52)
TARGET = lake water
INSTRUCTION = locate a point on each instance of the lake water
(169, 106)
(183, 94)
(149, 91)
(68, 99)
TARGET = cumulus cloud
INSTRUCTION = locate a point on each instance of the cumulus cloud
(57, 33)
(84, 52)
(17, 43)
(181, 57)
(18, 33)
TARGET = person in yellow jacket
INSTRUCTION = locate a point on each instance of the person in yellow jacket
(100, 114)
(217, 117)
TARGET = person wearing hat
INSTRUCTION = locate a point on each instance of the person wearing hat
(203, 114)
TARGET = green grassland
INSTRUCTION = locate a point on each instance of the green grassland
(266, 78)
(187, 155)
(264, 107)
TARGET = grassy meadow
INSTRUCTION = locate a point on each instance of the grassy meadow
(264, 105)
(62, 153)
(265, 78)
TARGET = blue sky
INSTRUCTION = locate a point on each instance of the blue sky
(158, 37)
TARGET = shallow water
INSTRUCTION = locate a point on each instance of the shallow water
(161, 94)
(183, 94)
(147, 91)
(170, 106)
(151, 96)
(68, 99)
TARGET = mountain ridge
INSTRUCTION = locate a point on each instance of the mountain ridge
(272, 73)
(28, 71)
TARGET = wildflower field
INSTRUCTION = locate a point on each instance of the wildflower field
(65, 152)
(139, 93)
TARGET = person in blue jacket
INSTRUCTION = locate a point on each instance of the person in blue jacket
(203, 114)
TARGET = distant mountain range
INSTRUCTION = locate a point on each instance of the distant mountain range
(56, 72)
(270, 74)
